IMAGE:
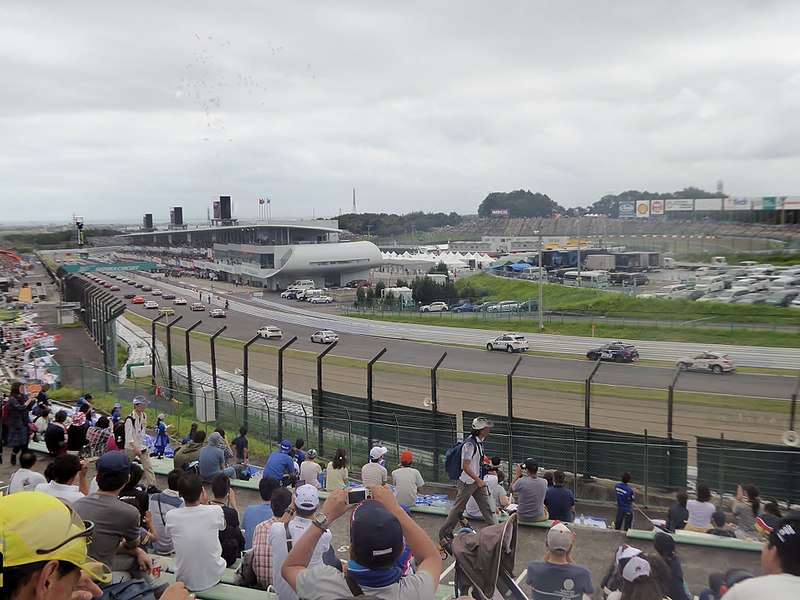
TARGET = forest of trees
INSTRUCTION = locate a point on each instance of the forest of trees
(520, 203)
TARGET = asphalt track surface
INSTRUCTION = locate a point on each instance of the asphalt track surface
(360, 338)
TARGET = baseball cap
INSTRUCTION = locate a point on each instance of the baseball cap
(559, 537)
(118, 405)
(377, 452)
(161, 416)
(531, 465)
(140, 400)
(481, 423)
(786, 536)
(306, 497)
(375, 533)
(766, 523)
(636, 567)
(38, 527)
(113, 462)
(406, 456)
(626, 552)
(286, 445)
(311, 453)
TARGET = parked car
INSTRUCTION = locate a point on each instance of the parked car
(616, 351)
(129, 295)
(167, 310)
(151, 304)
(434, 307)
(168, 296)
(505, 306)
(465, 307)
(320, 300)
(355, 283)
(179, 301)
(484, 307)
(269, 331)
(197, 306)
(217, 313)
(510, 342)
(138, 300)
(782, 298)
(713, 362)
(325, 336)
(290, 294)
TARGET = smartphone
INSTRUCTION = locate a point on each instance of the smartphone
(357, 495)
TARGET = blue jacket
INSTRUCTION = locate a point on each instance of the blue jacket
(278, 464)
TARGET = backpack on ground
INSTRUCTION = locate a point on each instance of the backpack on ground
(452, 460)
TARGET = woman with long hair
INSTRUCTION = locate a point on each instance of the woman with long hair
(746, 509)
(16, 420)
(700, 510)
(640, 581)
(673, 581)
(336, 476)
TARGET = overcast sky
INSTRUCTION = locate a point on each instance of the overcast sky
(114, 109)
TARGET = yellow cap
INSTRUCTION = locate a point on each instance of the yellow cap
(37, 527)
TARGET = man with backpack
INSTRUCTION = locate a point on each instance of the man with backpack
(470, 483)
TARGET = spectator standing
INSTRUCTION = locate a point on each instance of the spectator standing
(470, 484)
(55, 436)
(135, 426)
(241, 445)
(299, 454)
(559, 500)
(16, 420)
(336, 476)
(746, 508)
(407, 480)
(557, 576)
(530, 490)
(310, 469)
(262, 551)
(373, 473)
(25, 479)
(280, 465)
(677, 515)
(116, 416)
(212, 459)
(625, 499)
(194, 529)
(160, 504)
(720, 526)
(162, 439)
(258, 513)
(780, 562)
(97, 437)
(231, 539)
(700, 510)
(497, 495)
(64, 470)
(675, 587)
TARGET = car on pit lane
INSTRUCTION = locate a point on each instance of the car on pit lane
(129, 295)
(168, 296)
(324, 336)
(269, 332)
(708, 362)
(510, 342)
(616, 351)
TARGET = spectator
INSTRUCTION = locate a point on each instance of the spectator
(677, 513)
(497, 495)
(720, 526)
(379, 530)
(625, 498)
(262, 551)
(41, 398)
(116, 538)
(613, 580)
(97, 437)
(55, 436)
(42, 422)
(25, 479)
(310, 469)
(336, 476)
(190, 451)
(15, 420)
(674, 586)
(373, 473)
(557, 576)
(530, 490)
(767, 521)
(258, 513)
(230, 538)
(241, 445)
(63, 471)
(780, 562)
(470, 484)
(700, 510)
(407, 481)
(162, 439)
(190, 436)
(746, 511)
(280, 465)
(719, 583)
(284, 535)
(299, 455)
(135, 426)
(194, 529)
(115, 414)
(212, 459)
(230, 455)
(559, 500)
(160, 504)
(638, 582)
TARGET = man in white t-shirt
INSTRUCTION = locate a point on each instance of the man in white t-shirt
(780, 561)
(310, 469)
(25, 479)
(374, 473)
(135, 426)
(65, 470)
(497, 495)
(194, 529)
(407, 480)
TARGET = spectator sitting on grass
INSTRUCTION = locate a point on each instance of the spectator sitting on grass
(310, 469)
(212, 459)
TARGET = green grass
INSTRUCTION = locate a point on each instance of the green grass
(122, 355)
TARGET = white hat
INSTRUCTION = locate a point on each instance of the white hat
(306, 497)
(636, 567)
(625, 552)
(377, 452)
(481, 423)
(559, 537)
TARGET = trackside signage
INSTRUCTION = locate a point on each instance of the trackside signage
(139, 266)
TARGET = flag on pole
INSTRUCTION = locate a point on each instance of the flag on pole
(269, 201)
(261, 201)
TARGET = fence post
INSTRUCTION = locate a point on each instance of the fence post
(397, 435)
(435, 405)
(510, 392)
(671, 405)
(370, 397)
(793, 413)
(305, 419)
(170, 378)
(190, 385)
(646, 467)
(281, 350)
(320, 401)
(153, 353)
(721, 462)
(349, 434)
(587, 395)
(245, 377)
(214, 367)
(574, 463)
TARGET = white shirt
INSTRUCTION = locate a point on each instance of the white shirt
(134, 430)
(310, 472)
(25, 480)
(277, 541)
(700, 513)
(373, 473)
(473, 455)
(407, 480)
(195, 535)
(68, 493)
(767, 586)
(496, 492)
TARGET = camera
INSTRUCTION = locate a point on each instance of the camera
(357, 495)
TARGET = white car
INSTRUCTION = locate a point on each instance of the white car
(217, 313)
(510, 342)
(181, 301)
(197, 306)
(151, 304)
(269, 331)
(326, 336)
(714, 362)
(320, 300)
(434, 307)
(156, 292)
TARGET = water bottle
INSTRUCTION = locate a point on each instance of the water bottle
(582, 522)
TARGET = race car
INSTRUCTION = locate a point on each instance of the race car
(616, 351)
(709, 362)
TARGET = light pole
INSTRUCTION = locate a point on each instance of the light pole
(579, 249)
(541, 285)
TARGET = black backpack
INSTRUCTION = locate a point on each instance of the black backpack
(119, 432)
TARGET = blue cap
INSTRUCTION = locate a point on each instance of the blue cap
(118, 405)
(113, 462)
(375, 533)
(286, 445)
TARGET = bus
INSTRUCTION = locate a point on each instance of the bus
(589, 279)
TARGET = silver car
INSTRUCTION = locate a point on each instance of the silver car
(709, 362)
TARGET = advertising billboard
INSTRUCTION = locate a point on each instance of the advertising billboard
(737, 203)
(679, 204)
(707, 204)
(499, 212)
(627, 209)
(642, 209)
(656, 207)
(216, 209)
(789, 203)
